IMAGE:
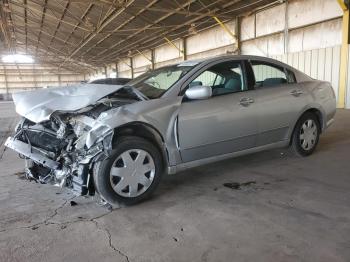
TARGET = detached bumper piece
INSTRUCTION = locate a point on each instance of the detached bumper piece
(31, 152)
(81, 181)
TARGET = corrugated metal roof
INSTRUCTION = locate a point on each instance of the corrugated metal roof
(82, 35)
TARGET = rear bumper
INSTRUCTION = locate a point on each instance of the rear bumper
(31, 152)
(329, 122)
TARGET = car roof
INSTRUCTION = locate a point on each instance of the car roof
(204, 61)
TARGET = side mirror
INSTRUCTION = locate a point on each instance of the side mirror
(198, 92)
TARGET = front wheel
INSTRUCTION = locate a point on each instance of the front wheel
(131, 173)
(306, 135)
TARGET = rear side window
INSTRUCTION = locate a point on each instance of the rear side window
(269, 75)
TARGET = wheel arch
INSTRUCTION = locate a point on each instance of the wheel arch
(146, 131)
(314, 110)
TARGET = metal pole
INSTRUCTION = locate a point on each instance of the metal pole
(344, 63)
(286, 29)
(132, 67)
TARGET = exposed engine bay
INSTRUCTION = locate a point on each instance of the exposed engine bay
(56, 150)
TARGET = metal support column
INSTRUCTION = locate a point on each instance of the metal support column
(152, 59)
(6, 82)
(344, 63)
(286, 29)
(59, 78)
(184, 48)
(238, 34)
(132, 67)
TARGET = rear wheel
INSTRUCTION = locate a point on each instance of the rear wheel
(131, 173)
(306, 135)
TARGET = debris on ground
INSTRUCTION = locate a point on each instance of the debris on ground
(73, 203)
(238, 186)
(21, 175)
(105, 204)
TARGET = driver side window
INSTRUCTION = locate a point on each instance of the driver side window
(223, 78)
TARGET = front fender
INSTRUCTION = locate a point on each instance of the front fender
(160, 114)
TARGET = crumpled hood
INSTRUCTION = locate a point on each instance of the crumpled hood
(38, 105)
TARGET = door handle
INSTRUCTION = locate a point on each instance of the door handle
(296, 92)
(246, 101)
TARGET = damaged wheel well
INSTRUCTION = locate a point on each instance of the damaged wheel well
(145, 131)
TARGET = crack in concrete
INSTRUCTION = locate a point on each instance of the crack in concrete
(109, 236)
(93, 220)
(46, 220)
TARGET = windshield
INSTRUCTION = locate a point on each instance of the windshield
(154, 83)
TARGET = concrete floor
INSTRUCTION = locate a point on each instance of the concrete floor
(297, 210)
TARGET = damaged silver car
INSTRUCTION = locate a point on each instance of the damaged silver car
(119, 140)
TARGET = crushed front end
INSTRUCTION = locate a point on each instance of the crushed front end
(63, 150)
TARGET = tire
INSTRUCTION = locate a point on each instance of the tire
(129, 162)
(306, 135)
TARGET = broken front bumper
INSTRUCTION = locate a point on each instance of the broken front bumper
(37, 155)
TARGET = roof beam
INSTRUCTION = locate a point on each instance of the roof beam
(137, 44)
(146, 27)
(122, 25)
(38, 11)
(99, 29)
(187, 13)
(59, 22)
(76, 26)
(157, 34)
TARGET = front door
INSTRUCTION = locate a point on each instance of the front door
(222, 124)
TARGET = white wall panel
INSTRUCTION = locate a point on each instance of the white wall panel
(301, 62)
(303, 12)
(141, 60)
(314, 61)
(210, 39)
(124, 65)
(168, 52)
(322, 64)
(275, 44)
(270, 21)
(322, 35)
(168, 62)
(336, 69)
(328, 64)
(255, 47)
(126, 74)
(295, 40)
(214, 52)
(247, 29)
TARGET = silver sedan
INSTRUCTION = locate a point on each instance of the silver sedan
(120, 140)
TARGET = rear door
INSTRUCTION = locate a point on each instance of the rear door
(278, 101)
(222, 124)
